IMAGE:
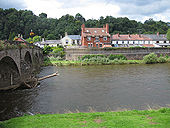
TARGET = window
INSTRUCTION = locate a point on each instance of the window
(66, 41)
(95, 31)
(89, 45)
(104, 38)
(96, 38)
(88, 38)
(97, 45)
(102, 30)
(100, 45)
(87, 30)
(73, 42)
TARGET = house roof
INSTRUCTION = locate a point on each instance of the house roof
(130, 37)
(51, 42)
(20, 39)
(156, 37)
(74, 37)
(95, 32)
(148, 45)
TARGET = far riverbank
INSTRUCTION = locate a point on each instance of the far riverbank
(105, 60)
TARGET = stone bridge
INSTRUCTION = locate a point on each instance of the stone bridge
(17, 65)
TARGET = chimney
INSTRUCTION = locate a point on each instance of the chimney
(61, 37)
(107, 28)
(83, 27)
(42, 39)
(66, 34)
(157, 33)
(128, 35)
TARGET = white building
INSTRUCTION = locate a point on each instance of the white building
(51, 43)
(71, 40)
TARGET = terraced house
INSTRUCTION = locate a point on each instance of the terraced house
(95, 37)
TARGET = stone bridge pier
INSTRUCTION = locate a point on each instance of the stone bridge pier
(17, 65)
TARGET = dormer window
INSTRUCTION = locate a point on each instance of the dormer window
(88, 38)
(96, 38)
(105, 38)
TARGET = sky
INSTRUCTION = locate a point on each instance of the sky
(139, 10)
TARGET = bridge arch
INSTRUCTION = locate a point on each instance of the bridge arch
(28, 58)
(9, 74)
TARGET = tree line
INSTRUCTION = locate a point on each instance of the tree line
(14, 22)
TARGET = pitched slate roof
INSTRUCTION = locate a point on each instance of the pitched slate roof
(74, 37)
(51, 42)
(156, 37)
(129, 37)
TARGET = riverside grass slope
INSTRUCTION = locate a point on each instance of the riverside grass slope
(124, 119)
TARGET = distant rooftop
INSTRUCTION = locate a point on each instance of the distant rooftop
(156, 37)
(74, 37)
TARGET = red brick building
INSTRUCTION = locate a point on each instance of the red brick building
(95, 37)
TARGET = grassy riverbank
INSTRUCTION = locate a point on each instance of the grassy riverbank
(81, 63)
(106, 60)
(125, 119)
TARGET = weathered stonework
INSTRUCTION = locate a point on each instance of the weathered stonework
(17, 65)
(130, 53)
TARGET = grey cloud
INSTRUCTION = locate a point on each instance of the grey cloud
(155, 7)
(18, 4)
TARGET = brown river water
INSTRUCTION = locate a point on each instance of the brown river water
(91, 88)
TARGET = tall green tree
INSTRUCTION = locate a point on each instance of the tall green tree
(168, 34)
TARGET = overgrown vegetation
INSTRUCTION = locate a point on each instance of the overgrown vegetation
(5, 45)
(56, 53)
(123, 119)
(153, 58)
(105, 60)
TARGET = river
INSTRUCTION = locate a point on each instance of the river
(91, 88)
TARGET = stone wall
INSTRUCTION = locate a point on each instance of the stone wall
(130, 53)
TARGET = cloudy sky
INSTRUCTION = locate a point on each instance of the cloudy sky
(140, 10)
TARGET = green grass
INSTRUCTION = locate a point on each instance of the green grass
(125, 119)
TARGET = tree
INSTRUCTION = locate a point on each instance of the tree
(79, 17)
(43, 15)
(51, 37)
(36, 38)
(168, 34)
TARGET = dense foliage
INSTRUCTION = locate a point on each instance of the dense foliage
(13, 22)
(54, 52)
(168, 34)
(152, 58)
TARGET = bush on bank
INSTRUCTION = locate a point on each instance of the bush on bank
(153, 58)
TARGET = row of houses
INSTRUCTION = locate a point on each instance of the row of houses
(100, 38)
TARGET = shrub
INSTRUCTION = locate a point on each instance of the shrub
(162, 59)
(119, 57)
(150, 59)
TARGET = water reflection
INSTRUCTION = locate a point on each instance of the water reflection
(102, 88)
